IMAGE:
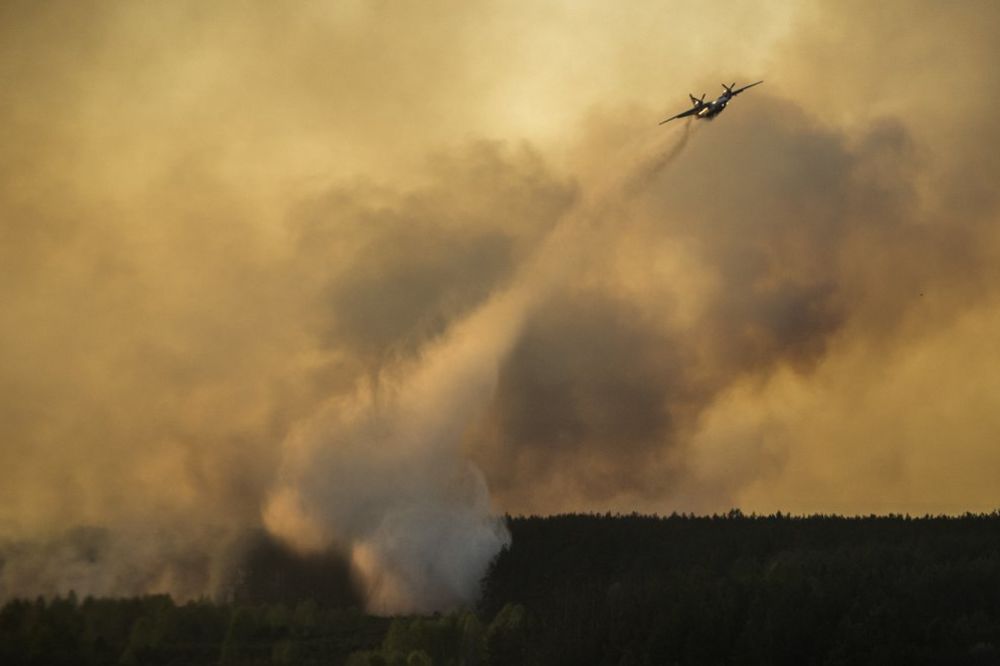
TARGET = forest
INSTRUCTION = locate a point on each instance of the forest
(585, 589)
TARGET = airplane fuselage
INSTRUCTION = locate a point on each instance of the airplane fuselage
(711, 110)
(715, 107)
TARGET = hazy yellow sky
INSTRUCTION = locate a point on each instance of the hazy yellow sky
(243, 244)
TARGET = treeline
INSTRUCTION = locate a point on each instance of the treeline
(155, 630)
(591, 589)
(734, 589)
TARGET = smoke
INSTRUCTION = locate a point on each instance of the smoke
(368, 277)
(95, 561)
(382, 473)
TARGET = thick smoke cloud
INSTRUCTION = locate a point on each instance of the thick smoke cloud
(608, 386)
(382, 472)
(366, 278)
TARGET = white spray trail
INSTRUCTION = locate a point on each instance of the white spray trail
(382, 474)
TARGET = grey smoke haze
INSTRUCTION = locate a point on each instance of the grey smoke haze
(383, 473)
(370, 277)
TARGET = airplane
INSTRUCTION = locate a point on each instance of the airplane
(702, 109)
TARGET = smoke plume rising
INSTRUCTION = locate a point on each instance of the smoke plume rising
(383, 473)
(369, 277)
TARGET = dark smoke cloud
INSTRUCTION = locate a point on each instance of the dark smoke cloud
(604, 390)
(590, 384)
(423, 259)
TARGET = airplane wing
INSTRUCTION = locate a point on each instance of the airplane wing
(683, 114)
(750, 85)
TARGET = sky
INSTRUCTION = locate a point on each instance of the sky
(367, 275)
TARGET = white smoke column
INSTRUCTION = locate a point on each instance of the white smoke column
(382, 474)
